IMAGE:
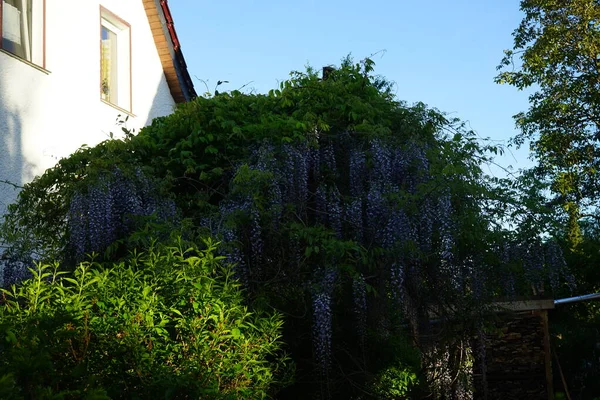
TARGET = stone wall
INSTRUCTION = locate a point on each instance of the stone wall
(517, 359)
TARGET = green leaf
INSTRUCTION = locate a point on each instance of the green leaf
(235, 332)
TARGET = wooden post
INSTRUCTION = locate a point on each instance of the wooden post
(547, 350)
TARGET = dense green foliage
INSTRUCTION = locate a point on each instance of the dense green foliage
(166, 323)
(556, 52)
(575, 327)
(353, 214)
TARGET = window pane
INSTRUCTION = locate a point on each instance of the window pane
(115, 83)
(108, 65)
(17, 27)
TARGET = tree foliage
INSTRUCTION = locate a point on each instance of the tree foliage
(576, 327)
(556, 53)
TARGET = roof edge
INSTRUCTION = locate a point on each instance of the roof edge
(187, 86)
(169, 49)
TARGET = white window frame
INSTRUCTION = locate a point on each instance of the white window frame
(122, 30)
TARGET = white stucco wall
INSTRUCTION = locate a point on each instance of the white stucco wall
(45, 116)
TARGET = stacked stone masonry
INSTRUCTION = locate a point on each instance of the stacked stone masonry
(516, 358)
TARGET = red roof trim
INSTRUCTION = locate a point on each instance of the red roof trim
(170, 25)
(181, 86)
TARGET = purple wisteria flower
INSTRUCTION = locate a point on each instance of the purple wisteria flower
(105, 210)
(359, 291)
(322, 330)
(322, 317)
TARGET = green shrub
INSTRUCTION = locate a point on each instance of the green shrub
(166, 323)
(399, 375)
(395, 382)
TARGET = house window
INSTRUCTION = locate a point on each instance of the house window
(115, 61)
(22, 29)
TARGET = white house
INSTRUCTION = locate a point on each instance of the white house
(69, 68)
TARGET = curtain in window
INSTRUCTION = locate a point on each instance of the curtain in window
(108, 66)
(17, 27)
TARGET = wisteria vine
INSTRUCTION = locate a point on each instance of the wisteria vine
(374, 195)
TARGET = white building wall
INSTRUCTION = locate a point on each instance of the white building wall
(46, 115)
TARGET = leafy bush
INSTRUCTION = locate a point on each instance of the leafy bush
(166, 323)
(401, 376)
(395, 383)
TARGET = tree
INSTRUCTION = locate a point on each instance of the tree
(556, 52)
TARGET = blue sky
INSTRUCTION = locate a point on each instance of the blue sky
(443, 53)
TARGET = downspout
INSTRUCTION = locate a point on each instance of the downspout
(577, 299)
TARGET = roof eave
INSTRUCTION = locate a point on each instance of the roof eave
(169, 50)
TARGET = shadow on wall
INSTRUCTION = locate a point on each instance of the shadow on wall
(160, 106)
(10, 149)
(14, 168)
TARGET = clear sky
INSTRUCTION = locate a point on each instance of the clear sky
(441, 52)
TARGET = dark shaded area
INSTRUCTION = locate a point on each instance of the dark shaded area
(516, 359)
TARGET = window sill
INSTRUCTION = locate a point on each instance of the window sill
(118, 108)
(42, 69)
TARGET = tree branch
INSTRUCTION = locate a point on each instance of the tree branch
(11, 184)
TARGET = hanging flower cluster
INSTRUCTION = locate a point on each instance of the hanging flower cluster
(359, 294)
(322, 330)
(351, 187)
(13, 270)
(539, 262)
(322, 314)
(106, 210)
(374, 193)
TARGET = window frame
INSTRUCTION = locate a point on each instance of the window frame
(43, 38)
(114, 21)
